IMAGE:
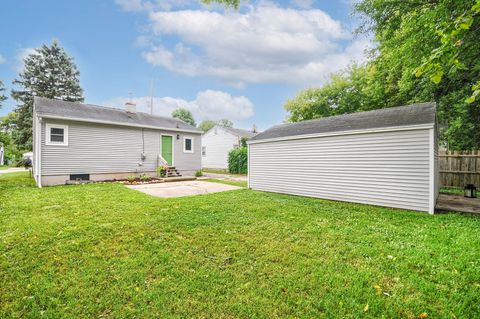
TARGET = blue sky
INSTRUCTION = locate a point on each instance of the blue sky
(218, 63)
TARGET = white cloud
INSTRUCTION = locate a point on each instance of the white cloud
(264, 43)
(2, 59)
(208, 104)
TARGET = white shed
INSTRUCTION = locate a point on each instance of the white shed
(385, 157)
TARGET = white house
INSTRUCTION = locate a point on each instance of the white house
(385, 157)
(218, 142)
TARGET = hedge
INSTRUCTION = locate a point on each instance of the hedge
(238, 161)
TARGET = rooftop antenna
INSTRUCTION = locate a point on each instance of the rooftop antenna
(130, 96)
(151, 96)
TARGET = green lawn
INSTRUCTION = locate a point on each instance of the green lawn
(228, 182)
(219, 171)
(105, 251)
(4, 167)
(452, 190)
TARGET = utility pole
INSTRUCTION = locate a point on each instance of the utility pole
(152, 85)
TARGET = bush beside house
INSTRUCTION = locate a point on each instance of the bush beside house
(238, 161)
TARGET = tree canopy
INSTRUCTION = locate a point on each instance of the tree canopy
(225, 123)
(2, 95)
(425, 51)
(228, 3)
(206, 125)
(48, 72)
(184, 115)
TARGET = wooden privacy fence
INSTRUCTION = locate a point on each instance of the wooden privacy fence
(458, 168)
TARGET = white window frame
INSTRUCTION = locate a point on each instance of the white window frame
(48, 141)
(185, 144)
(204, 151)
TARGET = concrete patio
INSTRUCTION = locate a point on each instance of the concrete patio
(180, 189)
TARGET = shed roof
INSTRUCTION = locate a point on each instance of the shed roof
(415, 114)
(101, 114)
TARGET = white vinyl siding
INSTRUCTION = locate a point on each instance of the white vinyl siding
(103, 148)
(217, 147)
(385, 168)
(436, 181)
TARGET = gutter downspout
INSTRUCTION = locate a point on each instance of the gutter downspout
(38, 144)
(248, 165)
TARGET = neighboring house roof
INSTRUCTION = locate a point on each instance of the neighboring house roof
(235, 131)
(239, 132)
(99, 114)
(416, 114)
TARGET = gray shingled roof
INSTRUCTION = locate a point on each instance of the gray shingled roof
(93, 113)
(423, 113)
(240, 132)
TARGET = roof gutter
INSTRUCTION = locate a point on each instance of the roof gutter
(365, 131)
(56, 117)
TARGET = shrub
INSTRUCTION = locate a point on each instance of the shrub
(199, 173)
(144, 177)
(243, 142)
(238, 161)
(161, 171)
(131, 179)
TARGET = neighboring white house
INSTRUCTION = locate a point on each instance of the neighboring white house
(384, 157)
(73, 141)
(218, 142)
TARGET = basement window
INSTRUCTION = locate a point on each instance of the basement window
(80, 177)
(56, 134)
(188, 145)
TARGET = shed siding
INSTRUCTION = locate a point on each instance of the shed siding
(436, 183)
(100, 148)
(217, 147)
(384, 168)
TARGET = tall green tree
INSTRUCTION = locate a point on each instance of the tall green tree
(2, 94)
(184, 115)
(48, 72)
(429, 50)
(418, 57)
(7, 131)
(355, 89)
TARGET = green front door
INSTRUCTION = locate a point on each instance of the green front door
(167, 148)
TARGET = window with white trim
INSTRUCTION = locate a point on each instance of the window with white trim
(188, 145)
(204, 150)
(56, 134)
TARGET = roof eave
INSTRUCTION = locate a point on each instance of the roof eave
(350, 132)
(68, 118)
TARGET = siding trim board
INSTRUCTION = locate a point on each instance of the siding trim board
(392, 167)
(353, 132)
